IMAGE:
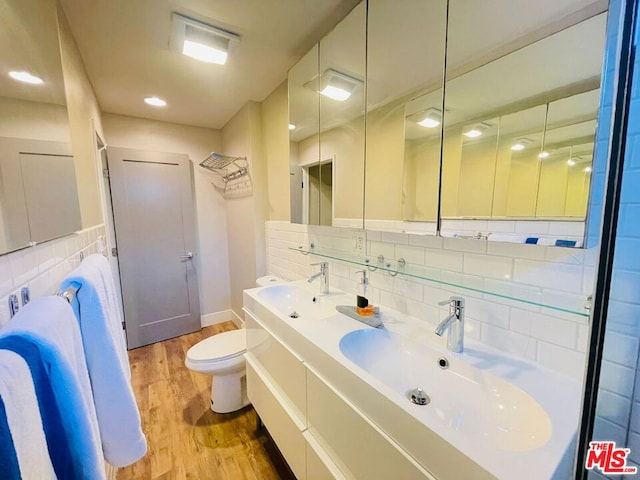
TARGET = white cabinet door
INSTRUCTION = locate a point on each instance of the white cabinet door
(357, 447)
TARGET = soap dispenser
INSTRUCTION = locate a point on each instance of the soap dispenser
(363, 308)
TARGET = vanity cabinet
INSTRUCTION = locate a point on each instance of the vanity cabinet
(276, 386)
(352, 441)
(320, 433)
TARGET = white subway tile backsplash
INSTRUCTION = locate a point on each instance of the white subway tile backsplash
(563, 360)
(445, 260)
(533, 228)
(43, 267)
(465, 245)
(408, 289)
(411, 254)
(563, 277)
(396, 302)
(530, 272)
(387, 250)
(508, 341)
(397, 238)
(583, 338)
(488, 266)
(519, 250)
(501, 226)
(6, 278)
(425, 241)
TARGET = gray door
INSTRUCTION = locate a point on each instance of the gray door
(153, 214)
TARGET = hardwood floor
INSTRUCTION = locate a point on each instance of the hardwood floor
(186, 439)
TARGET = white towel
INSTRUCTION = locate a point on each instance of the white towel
(23, 418)
(47, 331)
(98, 314)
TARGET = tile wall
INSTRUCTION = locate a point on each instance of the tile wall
(558, 276)
(43, 267)
(618, 408)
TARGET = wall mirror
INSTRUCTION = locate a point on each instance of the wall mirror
(326, 114)
(520, 115)
(38, 193)
(405, 72)
(304, 145)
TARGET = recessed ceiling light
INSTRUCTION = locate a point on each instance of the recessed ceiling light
(587, 169)
(26, 77)
(155, 101)
(517, 147)
(543, 154)
(571, 162)
(521, 144)
(292, 126)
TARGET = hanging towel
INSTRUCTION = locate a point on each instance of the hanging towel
(46, 335)
(98, 314)
(23, 446)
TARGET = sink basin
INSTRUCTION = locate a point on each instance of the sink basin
(296, 302)
(466, 399)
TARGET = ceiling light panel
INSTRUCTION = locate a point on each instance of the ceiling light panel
(200, 40)
(155, 101)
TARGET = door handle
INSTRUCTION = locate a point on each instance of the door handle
(187, 256)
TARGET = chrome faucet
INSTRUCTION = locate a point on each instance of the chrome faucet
(454, 323)
(324, 273)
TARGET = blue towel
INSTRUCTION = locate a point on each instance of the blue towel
(23, 435)
(98, 314)
(9, 469)
(45, 333)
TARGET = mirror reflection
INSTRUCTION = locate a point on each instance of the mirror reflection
(519, 130)
(405, 71)
(304, 145)
(38, 195)
(326, 115)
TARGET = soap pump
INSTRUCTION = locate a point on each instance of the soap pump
(363, 307)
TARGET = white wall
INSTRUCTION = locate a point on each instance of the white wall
(33, 120)
(43, 268)
(551, 275)
(242, 136)
(197, 143)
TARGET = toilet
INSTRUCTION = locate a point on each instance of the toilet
(222, 357)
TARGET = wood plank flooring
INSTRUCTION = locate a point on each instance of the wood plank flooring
(186, 439)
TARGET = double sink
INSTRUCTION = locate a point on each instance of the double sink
(498, 410)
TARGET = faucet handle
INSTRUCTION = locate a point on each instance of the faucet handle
(453, 300)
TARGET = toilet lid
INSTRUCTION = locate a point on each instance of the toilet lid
(219, 347)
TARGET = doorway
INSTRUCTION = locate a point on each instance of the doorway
(319, 197)
(153, 216)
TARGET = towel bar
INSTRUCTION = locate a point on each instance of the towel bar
(68, 293)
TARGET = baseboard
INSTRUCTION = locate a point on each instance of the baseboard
(237, 319)
(217, 317)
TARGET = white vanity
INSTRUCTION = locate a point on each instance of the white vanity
(333, 394)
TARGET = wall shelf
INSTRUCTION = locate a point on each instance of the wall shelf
(523, 294)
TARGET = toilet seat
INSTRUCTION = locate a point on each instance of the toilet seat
(218, 348)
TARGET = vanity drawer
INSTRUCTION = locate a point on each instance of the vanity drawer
(319, 464)
(358, 447)
(282, 366)
(282, 425)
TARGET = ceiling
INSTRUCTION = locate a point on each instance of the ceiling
(29, 42)
(125, 48)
